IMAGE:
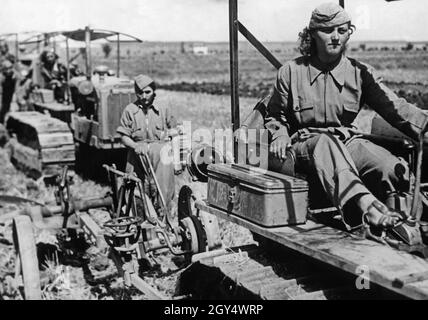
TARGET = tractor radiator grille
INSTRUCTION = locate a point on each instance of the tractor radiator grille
(116, 103)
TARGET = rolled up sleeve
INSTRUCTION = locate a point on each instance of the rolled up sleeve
(125, 127)
(276, 121)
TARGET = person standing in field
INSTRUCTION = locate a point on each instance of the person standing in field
(9, 81)
(315, 100)
(143, 128)
(8, 78)
(5, 54)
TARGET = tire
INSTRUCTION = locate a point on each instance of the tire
(185, 203)
(186, 211)
(26, 257)
(197, 243)
(202, 239)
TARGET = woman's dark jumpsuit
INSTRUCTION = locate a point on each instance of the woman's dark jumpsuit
(305, 96)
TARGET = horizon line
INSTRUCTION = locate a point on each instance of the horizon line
(276, 41)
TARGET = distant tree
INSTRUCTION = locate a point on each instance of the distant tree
(106, 49)
(363, 47)
(409, 46)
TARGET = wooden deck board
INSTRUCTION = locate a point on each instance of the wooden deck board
(343, 250)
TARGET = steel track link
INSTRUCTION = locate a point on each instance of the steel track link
(250, 273)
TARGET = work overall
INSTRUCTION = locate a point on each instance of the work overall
(150, 127)
(342, 164)
(8, 85)
(56, 72)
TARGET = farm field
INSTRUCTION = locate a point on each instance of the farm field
(205, 111)
(195, 88)
(176, 67)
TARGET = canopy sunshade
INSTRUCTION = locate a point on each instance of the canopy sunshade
(79, 35)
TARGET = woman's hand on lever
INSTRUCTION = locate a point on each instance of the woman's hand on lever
(141, 148)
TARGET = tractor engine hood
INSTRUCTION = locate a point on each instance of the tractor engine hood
(104, 83)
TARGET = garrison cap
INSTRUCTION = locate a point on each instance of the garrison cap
(143, 81)
(328, 15)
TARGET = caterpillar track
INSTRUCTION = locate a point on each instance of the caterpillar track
(39, 142)
(250, 272)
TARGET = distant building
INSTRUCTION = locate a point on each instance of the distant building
(420, 46)
(200, 49)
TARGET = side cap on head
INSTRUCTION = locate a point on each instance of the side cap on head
(143, 81)
(6, 64)
(328, 15)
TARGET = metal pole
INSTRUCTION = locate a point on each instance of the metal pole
(68, 69)
(88, 52)
(118, 55)
(233, 42)
(16, 47)
(258, 45)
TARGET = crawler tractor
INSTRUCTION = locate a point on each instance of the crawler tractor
(84, 119)
(279, 210)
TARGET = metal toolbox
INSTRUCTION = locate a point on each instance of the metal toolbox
(264, 197)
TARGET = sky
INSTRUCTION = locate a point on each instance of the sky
(207, 20)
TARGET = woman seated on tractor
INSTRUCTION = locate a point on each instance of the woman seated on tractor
(315, 100)
(48, 73)
(144, 130)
